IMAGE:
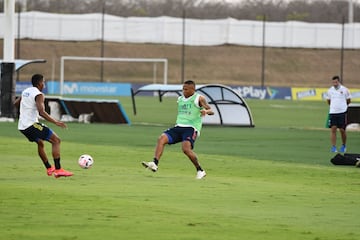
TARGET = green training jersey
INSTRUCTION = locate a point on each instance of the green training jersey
(189, 112)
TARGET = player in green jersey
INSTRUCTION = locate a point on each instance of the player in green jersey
(191, 108)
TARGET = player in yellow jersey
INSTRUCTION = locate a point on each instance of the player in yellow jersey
(191, 108)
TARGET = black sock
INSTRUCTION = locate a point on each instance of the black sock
(156, 161)
(57, 163)
(47, 164)
(199, 168)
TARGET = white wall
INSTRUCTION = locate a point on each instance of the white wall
(168, 30)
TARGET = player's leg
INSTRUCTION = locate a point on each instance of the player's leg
(160, 145)
(333, 135)
(159, 149)
(189, 137)
(333, 129)
(170, 136)
(55, 143)
(34, 134)
(343, 139)
(42, 153)
(343, 135)
(187, 149)
(342, 127)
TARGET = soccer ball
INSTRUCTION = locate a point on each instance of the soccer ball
(85, 161)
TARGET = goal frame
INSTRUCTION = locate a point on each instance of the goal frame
(102, 59)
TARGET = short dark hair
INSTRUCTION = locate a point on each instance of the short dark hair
(36, 78)
(336, 78)
(189, 82)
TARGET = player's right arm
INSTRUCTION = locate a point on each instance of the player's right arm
(41, 109)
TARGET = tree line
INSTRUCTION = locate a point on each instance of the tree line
(319, 11)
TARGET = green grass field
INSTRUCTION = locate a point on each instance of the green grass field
(274, 181)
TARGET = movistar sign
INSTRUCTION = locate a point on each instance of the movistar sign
(90, 88)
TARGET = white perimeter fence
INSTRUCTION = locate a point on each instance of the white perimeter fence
(168, 30)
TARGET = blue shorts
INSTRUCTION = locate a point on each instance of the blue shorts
(179, 134)
(37, 131)
(338, 119)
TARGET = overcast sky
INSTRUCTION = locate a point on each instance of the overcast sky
(234, 1)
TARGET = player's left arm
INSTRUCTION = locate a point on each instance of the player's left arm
(39, 99)
(206, 108)
(348, 99)
(17, 102)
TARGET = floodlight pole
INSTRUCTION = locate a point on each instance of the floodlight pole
(102, 42)
(18, 39)
(342, 52)
(183, 46)
(8, 26)
(351, 11)
(7, 93)
(263, 52)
